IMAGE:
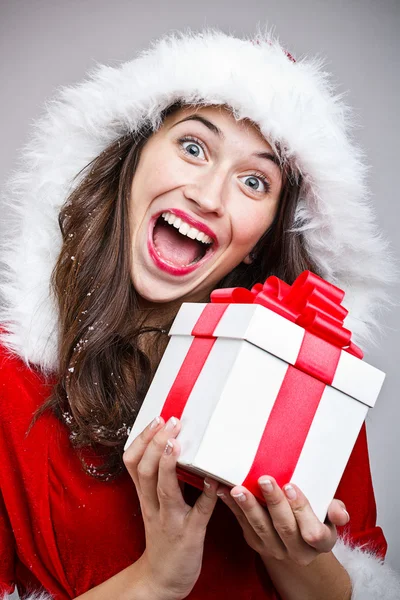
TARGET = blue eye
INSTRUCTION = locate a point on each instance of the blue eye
(194, 142)
(264, 180)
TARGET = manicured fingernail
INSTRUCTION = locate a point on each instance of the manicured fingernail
(348, 516)
(266, 485)
(290, 492)
(206, 483)
(169, 447)
(155, 423)
(171, 424)
(221, 494)
(241, 497)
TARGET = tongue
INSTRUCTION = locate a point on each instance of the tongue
(175, 247)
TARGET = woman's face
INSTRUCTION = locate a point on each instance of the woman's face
(200, 200)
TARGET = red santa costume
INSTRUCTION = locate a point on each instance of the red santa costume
(61, 531)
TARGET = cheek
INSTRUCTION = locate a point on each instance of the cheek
(249, 225)
(157, 173)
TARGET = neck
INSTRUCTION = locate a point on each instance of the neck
(157, 314)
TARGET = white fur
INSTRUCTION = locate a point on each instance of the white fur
(294, 104)
(371, 579)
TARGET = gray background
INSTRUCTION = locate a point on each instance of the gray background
(45, 44)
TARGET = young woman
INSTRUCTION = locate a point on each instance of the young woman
(209, 161)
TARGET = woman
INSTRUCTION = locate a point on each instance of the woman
(121, 176)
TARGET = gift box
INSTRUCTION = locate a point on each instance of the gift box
(265, 382)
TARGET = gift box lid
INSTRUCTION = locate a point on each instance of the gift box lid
(277, 335)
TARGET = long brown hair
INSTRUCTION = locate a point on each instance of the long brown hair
(104, 372)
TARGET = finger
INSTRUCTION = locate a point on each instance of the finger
(320, 536)
(134, 453)
(202, 510)
(148, 466)
(286, 525)
(224, 494)
(337, 513)
(260, 521)
(280, 511)
(168, 489)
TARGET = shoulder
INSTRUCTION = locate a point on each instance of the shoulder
(23, 388)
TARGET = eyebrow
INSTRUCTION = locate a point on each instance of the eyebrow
(219, 133)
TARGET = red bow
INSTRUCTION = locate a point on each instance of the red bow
(311, 302)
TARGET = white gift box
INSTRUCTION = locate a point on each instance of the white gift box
(247, 411)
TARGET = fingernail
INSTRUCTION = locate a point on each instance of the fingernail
(155, 423)
(241, 497)
(290, 492)
(171, 424)
(169, 447)
(266, 485)
(221, 494)
(348, 516)
(206, 483)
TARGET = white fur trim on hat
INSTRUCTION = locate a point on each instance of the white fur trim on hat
(371, 578)
(293, 103)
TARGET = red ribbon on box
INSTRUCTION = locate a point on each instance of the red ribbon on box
(310, 302)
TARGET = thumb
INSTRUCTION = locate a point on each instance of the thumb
(337, 513)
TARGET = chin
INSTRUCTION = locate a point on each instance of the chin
(159, 292)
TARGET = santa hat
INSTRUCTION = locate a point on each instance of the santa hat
(295, 107)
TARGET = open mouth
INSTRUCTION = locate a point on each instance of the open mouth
(177, 246)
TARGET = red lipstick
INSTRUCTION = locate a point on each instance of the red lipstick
(165, 265)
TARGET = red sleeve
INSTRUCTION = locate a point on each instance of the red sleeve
(7, 552)
(356, 491)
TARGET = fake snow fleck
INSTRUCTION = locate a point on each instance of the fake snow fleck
(71, 369)
(67, 418)
(79, 345)
(120, 433)
(93, 471)
(72, 257)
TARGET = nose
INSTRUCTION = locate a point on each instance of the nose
(208, 194)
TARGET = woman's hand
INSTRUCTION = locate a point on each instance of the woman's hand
(174, 530)
(287, 529)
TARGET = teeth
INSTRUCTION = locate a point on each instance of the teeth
(177, 223)
(192, 233)
(186, 229)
